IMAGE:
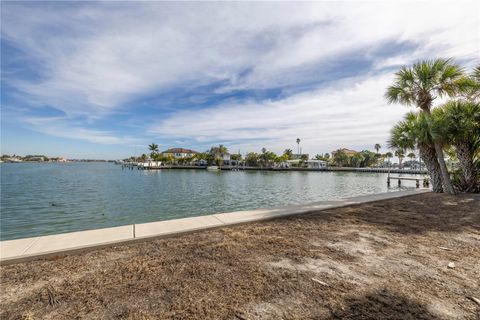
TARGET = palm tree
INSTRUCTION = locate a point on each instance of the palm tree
(470, 85)
(420, 85)
(264, 156)
(377, 147)
(458, 122)
(414, 132)
(288, 154)
(400, 153)
(298, 145)
(412, 156)
(153, 148)
(389, 156)
(221, 149)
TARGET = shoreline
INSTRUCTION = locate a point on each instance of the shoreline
(26, 249)
(407, 258)
(246, 168)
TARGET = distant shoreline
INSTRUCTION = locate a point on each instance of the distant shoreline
(328, 169)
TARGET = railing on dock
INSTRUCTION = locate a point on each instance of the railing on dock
(425, 181)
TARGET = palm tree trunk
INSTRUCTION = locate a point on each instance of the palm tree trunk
(447, 184)
(465, 158)
(428, 155)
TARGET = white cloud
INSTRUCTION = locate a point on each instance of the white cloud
(352, 113)
(95, 57)
(105, 54)
(61, 127)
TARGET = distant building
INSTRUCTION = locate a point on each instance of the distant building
(299, 156)
(316, 164)
(223, 156)
(226, 159)
(348, 152)
(201, 162)
(179, 153)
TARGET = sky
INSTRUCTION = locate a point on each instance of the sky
(102, 80)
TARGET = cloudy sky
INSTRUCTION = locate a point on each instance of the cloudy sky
(104, 79)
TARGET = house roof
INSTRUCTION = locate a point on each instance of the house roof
(346, 151)
(179, 150)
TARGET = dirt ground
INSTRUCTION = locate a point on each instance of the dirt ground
(383, 260)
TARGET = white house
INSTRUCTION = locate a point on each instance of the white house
(316, 164)
(299, 156)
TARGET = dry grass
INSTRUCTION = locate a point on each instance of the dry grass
(381, 260)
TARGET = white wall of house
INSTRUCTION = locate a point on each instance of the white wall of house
(150, 164)
(316, 164)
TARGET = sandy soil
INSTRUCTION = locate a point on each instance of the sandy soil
(384, 260)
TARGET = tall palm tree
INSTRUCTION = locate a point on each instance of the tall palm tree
(153, 148)
(298, 145)
(414, 132)
(264, 156)
(458, 122)
(221, 149)
(400, 153)
(377, 147)
(412, 156)
(389, 156)
(419, 85)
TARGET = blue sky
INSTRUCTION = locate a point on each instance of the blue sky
(104, 79)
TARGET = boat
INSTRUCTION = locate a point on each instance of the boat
(213, 168)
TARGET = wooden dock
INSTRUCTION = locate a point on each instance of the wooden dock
(425, 181)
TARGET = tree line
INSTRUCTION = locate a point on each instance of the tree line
(267, 158)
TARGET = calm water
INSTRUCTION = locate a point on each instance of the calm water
(47, 198)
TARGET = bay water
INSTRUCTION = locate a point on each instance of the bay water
(48, 198)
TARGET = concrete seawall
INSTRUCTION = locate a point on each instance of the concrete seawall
(25, 249)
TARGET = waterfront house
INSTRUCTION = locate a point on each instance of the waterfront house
(292, 163)
(149, 163)
(225, 159)
(299, 156)
(316, 164)
(179, 153)
(201, 162)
